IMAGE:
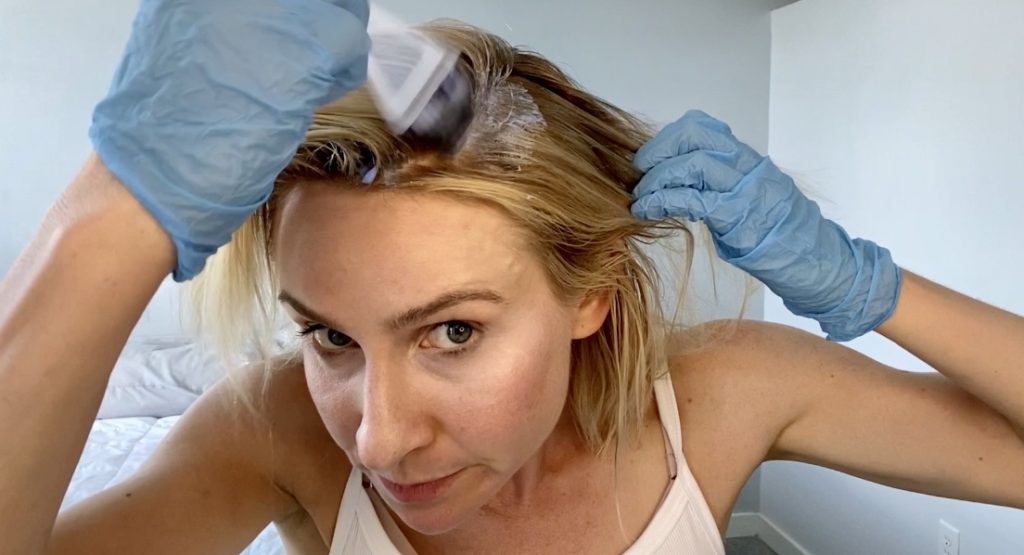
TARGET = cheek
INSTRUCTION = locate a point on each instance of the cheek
(518, 401)
(334, 400)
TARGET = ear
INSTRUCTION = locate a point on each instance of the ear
(591, 314)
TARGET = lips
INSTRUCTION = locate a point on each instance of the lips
(421, 492)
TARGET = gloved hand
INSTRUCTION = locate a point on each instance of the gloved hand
(761, 223)
(211, 100)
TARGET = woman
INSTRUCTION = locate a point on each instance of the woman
(482, 366)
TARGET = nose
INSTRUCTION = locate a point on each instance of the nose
(393, 422)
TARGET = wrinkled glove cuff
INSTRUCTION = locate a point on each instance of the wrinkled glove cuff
(147, 181)
(871, 299)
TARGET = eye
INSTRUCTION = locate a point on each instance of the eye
(451, 335)
(332, 339)
(326, 338)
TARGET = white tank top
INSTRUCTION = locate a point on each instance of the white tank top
(683, 522)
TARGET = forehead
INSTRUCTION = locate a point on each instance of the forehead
(408, 244)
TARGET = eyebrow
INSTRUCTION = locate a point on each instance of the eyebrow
(411, 316)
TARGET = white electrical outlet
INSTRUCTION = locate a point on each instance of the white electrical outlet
(949, 539)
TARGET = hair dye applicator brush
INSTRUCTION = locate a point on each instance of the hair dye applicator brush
(417, 85)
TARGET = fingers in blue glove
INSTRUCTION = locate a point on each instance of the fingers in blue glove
(211, 100)
(698, 170)
(684, 203)
(761, 223)
(695, 131)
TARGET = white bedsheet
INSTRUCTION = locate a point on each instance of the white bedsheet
(117, 447)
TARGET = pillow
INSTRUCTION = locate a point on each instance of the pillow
(158, 378)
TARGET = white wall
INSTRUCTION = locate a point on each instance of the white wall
(655, 57)
(906, 115)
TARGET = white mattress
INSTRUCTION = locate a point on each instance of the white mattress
(117, 447)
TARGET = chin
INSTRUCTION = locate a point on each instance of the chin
(435, 520)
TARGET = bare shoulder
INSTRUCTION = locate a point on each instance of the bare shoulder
(745, 377)
(305, 462)
(736, 338)
(728, 399)
(759, 391)
(221, 475)
(726, 358)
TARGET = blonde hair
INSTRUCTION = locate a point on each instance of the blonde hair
(554, 158)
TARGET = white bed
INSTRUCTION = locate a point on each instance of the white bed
(152, 384)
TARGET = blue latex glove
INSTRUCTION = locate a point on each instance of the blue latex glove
(761, 223)
(211, 100)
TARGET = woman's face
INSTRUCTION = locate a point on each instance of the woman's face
(437, 353)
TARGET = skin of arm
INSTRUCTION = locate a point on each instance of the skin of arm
(977, 346)
(70, 301)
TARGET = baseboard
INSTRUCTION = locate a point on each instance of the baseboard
(755, 524)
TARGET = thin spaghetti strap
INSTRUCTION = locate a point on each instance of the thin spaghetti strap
(668, 413)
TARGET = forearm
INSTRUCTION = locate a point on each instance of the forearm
(69, 303)
(976, 345)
